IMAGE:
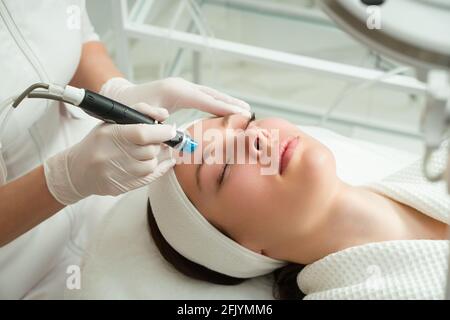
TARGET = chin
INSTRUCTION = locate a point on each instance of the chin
(318, 158)
(315, 168)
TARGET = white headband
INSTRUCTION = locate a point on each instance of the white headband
(191, 235)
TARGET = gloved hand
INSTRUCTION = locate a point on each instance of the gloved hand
(110, 160)
(174, 94)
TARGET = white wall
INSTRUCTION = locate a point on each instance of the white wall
(100, 14)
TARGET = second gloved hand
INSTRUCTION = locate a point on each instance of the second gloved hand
(112, 159)
(174, 94)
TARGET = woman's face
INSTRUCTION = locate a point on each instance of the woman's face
(261, 211)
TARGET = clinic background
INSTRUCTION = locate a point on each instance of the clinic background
(370, 112)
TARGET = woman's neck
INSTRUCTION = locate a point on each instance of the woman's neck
(356, 216)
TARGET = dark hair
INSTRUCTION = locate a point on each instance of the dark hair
(285, 278)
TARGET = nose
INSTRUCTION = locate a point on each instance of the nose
(258, 142)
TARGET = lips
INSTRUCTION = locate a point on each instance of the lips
(287, 149)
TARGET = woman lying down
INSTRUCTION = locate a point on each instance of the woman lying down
(224, 221)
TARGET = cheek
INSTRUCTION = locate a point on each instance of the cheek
(258, 209)
(312, 181)
(317, 165)
(246, 184)
(247, 197)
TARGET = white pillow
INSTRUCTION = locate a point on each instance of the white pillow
(124, 263)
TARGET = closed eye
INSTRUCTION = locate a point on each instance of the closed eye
(221, 176)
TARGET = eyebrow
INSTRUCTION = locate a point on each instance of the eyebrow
(224, 123)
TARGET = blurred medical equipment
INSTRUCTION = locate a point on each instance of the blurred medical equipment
(102, 108)
(351, 89)
(199, 23)
(140, 21)
(427, 48)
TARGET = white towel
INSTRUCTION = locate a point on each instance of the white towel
(406, 269)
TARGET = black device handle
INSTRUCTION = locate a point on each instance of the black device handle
(112, 111)
(109, 110)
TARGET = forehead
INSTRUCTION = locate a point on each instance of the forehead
(185, 170)
(197, 132)
(204, 124)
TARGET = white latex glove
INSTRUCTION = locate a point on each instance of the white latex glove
(174, 94)
(111, 159)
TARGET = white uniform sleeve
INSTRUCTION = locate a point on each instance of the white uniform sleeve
(87, 30)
